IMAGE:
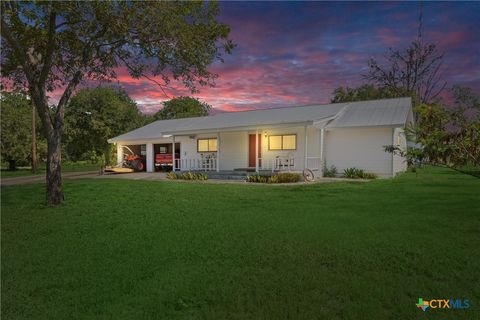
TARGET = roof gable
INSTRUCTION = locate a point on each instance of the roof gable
(389, 112)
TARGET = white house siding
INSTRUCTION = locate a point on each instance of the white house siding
(313, 135)
(343, 148)
(359, 148)
(268, 156)
(399, 139)
(188, 145)
(233, 150)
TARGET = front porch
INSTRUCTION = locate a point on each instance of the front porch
(237, 152)
(277, 164)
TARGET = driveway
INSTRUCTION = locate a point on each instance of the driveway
(152, 176)
(41, 178)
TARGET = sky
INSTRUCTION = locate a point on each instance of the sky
(297, 53)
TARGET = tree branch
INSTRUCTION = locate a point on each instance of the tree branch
(47, 65)
(145, 76)
(6, 33)
(66, 97)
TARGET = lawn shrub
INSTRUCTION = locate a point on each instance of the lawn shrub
(330, 172)
(257, 178)
(282, 177)
(187, 176)
(369, 175)
(354, 173)
(285, 177)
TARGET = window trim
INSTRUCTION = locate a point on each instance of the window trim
(282, 135)
(208, 143)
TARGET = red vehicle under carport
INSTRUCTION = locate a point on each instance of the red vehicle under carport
(165, 161)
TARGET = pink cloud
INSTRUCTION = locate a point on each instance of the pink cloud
(388, 37)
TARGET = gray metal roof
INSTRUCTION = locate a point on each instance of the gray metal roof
(388, 112)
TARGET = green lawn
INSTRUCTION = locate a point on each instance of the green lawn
(66, 167)
(123, 249)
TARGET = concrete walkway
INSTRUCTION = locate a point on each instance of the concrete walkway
(158, 176)
(151, 176)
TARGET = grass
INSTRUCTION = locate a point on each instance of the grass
(121, 249)
(66, 167)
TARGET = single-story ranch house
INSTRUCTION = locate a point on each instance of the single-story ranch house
(342, 134)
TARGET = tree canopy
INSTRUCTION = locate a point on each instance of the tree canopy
(447, 135)
(16, 133)
(182, 107)
(95, 115)
(52, 45)
(414, 71)
(364, 92)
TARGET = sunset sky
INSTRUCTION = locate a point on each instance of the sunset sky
(297, 53)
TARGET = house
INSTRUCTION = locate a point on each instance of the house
(342, 134)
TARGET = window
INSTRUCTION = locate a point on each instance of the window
(207, 145)
(283, 142)
(275, 142)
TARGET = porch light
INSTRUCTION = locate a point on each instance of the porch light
(166, 136)
(265, 134)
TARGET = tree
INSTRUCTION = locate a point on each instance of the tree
(414, 70)
(447, 135)
(465, 99)
(16, 123)
(95, 115)
(182, 107)
(362, 93)
(49, 45)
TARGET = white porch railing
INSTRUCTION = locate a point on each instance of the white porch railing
(290, 164)
(183, 164)
(278, 164)
(272, 164)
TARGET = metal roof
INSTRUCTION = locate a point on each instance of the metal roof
(387, 112)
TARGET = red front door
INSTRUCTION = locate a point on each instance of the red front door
(251, 149)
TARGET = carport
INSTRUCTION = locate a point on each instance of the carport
(138, 149)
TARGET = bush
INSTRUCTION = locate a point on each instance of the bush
(187, 176)
(354, 173)
(258, 178)
(283, 177)
(330, 172)
(369, 175)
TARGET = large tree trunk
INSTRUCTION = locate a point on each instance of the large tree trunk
(54, 174)
(34, 140)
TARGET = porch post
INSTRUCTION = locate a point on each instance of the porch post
(322, 135)
(305, 149)
(256, 150)
(150, 157)
(174, 167)
(119, 153)
(218, 151)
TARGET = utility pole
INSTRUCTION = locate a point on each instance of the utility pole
(34, 140)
